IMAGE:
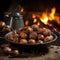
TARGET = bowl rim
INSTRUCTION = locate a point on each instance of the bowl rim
(55, 38)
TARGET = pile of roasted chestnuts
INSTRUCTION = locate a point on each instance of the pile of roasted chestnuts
(7, 49)
(31, 35)
(4, 28)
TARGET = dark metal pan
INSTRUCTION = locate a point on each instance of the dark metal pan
(54, 35)
(30, 47)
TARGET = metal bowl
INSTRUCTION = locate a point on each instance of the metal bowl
(30, 47)
(54, 35)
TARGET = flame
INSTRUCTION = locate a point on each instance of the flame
(50, 25)
(38, 23)
(35, 20)
(44, 18)
(51, 15)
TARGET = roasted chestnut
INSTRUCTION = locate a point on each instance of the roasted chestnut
(47, 32)
(51, 37)
(29, 29)
(2, 24)
(48, 38)
(23, 35)
(33, 35)
(5, 45)
(6, 29)
(40, 37)
(40, 41)
(35, 27)
(23, 41)
(14, 53)
(10, 37)
(7, 49)
(31, 41)
(40, 31)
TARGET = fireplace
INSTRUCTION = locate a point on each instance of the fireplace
(40, 8)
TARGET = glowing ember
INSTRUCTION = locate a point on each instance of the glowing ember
(33, 16)
(22, 10)
(38, 23)
(50, 25)
(53, 30)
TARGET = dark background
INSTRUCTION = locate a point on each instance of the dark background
(39, 5)
(29, 5)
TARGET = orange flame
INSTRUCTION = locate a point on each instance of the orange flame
(53, 17)
(35, 20)
(44, 18)
(50, 16)
(38, 23)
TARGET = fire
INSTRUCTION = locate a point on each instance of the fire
(53, 17)
(50, 16)
(57, 19)
(38, 23)
(44, 18)
(35, 20)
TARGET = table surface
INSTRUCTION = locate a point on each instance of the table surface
(53, 54)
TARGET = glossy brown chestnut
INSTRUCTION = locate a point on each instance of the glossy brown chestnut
(31, 41)
(23, 41)
(2, 24)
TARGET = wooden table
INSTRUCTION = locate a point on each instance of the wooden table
(53, 54)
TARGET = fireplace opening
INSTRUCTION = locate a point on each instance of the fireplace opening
(42, 9)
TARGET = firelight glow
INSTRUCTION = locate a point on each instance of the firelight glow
(50, 16)
(33, 16)
(35, 20)
(38, 23)
(44, 18)
(22, 10)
